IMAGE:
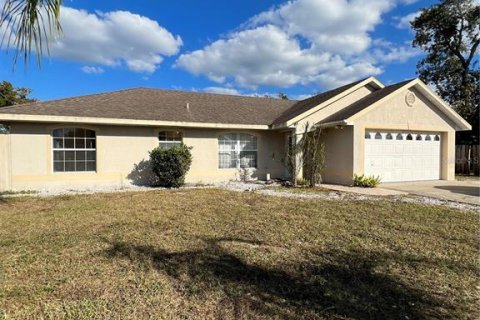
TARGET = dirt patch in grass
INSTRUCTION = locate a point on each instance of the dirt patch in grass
(216, 254)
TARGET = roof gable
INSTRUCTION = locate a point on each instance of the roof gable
(305, 107)
(363, 103)
(357, 109)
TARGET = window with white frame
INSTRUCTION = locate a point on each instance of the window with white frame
(237, 150)
(168, 139)
(74, 150)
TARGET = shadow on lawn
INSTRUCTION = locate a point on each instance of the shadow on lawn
(339, 284)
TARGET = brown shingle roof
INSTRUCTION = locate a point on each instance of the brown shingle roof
(162, 105)
(305, 105)
(171, 105)
(363, 103)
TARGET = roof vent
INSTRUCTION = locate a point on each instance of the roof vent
(188, 106)
(410, 98)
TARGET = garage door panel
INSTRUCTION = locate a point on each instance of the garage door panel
(400, 159)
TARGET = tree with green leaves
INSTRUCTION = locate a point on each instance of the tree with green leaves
(449, 33)
(10, 95)
(29, 25)
(307, 153)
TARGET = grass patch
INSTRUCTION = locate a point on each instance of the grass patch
(22, 192)
(300, 189)
(215, 254)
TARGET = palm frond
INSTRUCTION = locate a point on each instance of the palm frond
(29, 26)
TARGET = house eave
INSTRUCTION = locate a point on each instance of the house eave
(125, 122)
(333, 124)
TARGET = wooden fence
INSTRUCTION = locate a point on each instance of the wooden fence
(467, 159)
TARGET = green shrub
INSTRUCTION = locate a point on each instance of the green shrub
(171, 165)
(366, 181)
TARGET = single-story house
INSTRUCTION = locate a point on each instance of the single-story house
(401, 132)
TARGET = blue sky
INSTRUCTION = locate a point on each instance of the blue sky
(299, 47)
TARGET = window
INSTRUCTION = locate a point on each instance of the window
(237, 150)
(409, 137)
(74, 149)
(168, 139)
(437, 138)
(399, 136)
(378, 136)
(428, 138)
(367, 135)
(389, 136)
(419, 137)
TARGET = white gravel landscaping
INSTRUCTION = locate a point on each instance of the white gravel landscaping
(340, 193)
(361, 197)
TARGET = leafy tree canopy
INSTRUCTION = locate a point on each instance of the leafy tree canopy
(10, 96)
(449, 33)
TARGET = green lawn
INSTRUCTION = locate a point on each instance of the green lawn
(214, 254)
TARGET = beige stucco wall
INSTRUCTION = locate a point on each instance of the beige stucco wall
(338, 155)
(395, 114)
(120, 149)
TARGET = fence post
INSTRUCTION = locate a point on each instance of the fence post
(467, 159)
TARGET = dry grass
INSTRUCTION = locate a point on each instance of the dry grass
(213, 254)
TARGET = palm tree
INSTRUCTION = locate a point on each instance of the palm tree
(28, 26)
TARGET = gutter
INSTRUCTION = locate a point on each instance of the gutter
(332, 124)
(125, 122)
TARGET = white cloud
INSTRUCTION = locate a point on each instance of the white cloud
(116, 38)
(387, 52)
(235, 92)
(222, 90)
(265, 56)
(300, 96)
(113, 39)
(404, 22)
(396, 54)
(92, 70)
(4, 30)
(300, 42)
(337, 26)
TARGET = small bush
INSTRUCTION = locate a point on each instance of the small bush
(302, 182)
(171, 165)
(366, 181)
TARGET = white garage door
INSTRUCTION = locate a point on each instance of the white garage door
(402, 156)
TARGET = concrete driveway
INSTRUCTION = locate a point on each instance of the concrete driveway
(466, 191)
